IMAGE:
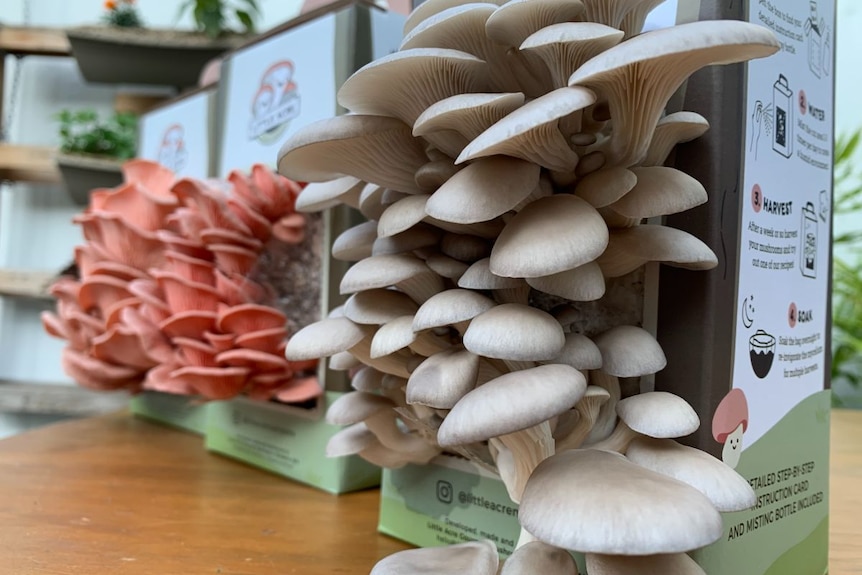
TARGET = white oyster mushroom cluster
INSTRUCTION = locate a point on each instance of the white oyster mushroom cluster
(506, 159)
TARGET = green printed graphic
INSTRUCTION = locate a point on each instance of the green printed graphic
(786, 533)
(277, 440)
(436, 505)
(179, 411)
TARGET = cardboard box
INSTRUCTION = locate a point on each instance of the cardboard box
(449, 500)
(288, 441)
(747, 343)
(180, 134)
(180, 411)
(268, 89)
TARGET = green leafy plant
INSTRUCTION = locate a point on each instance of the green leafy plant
(82, 132)
(847, 268)
(122, 13)
(214, 17)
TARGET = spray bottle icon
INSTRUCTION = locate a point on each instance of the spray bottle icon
(782, 103)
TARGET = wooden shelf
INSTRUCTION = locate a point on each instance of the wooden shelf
(26, 283)
(57, 399)
(28, 164)
(27, 41)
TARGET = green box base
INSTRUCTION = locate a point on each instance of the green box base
(287, 441)
(180, 411)
(448, 501)
(451, 500)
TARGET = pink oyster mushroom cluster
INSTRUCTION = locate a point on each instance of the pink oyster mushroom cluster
(165, 300)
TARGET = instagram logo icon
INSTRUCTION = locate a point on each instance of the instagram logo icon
(444, 491)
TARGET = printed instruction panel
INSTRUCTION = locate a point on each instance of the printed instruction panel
(781, 345)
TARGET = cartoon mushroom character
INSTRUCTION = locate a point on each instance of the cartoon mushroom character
(729, 424)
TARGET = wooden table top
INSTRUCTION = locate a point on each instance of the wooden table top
(119, 495)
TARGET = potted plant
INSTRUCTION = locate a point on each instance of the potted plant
(92, 150)
(124, 50)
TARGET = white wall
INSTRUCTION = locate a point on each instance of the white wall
(35, 227)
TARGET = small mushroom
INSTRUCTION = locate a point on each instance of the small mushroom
(671, 130)
(727, 490)
(630, 248)
(323, 195)
(531, 132)
(372, 148)
(407, 273)
(583, 283)
(537, 557)
(443, 379)
(656, 414)
(729, 423)
(638, 76)
(505, 290)
(403, 84)
(551, 235)
(378, 306)
(538, 336)
(475, 558)
(630, 351)
(608, 495)
(666, 564)
(660, 191)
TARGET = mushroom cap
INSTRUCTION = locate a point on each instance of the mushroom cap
(479, 276)
(671, 130)
(666, 564)
(512, 402)
(372, 148)
(485, 189)
(385, 271)
(515, 332)
(445, 266)
(403, 84)
(630, 351)
(393, 335)
(580, 352)
(621, 508)
(427, 9)
(435, 173)
(350, 440)
(356, 406)
(443, 379)
(630, 248)
(465, 247)
(316, 197)
(467, 114)
(552, 234)
(378, 306)
(564, 47)
(367, 379)
(583, 283)
(731, 412)
(451, 307)
(463, 28)
(639, 75)
(660, 191)
(355, 243)
(538, 557)
(515, 20)
(531, 131)
(324, 338)
(658, 414)
(727, 490)
(402, 215)
(604, 187)
(475, 558)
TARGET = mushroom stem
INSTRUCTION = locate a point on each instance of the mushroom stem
(519, 453)
(617, 441)
(607, 419)
(383, 425)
